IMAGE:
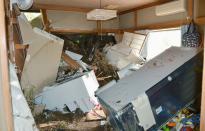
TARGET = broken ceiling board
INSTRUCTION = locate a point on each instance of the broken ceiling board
(42, 60)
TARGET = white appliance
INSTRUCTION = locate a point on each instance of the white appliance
(75, 93)
(177, 6)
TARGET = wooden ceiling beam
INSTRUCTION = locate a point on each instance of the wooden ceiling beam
(75, 31)
(135, 19)
(169, 24)
(45, 20)
(59, 7)
(144, 6)
(200, 21)
(99, 26)
(190, 9)
(80, 31)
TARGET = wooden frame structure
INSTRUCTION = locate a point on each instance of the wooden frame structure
(4, 74)
(171, 24)
(6, 120)
(200, 20)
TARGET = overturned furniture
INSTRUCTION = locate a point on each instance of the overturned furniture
(126, 52)
(152, 95)
(73, 93)
(40, 73)
(42, 58)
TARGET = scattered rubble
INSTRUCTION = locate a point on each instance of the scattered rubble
(72, 67)
(186, 120)
(83, 45)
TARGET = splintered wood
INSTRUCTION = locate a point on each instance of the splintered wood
(70, 61)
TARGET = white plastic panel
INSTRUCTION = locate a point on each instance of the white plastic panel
(42, 60)
(177, 6)
(73, 93)
(144, 111)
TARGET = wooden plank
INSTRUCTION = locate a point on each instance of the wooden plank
(70, 61)
(200, 21)
(60, 7)
(16, 38)
(79, 31)
(163, 25)
(45, 20)
(111, 30)
(144, 6)
(21, 46)
(135, 19)
(6, 123)
(190, 9)
(99, 26)
(169, 24)
(202, 121)
(75, 31)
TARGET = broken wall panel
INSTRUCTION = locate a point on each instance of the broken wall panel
(42, 60)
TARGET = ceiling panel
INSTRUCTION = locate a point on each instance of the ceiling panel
(121, 4)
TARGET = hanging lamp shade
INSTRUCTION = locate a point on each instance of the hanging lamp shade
(101, 14)
(24, 4)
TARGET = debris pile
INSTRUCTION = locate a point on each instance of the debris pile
(59, 83)
(91, 48)
(62, 73)
(186, 120)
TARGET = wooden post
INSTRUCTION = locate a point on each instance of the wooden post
(190, 9)
(135, 19)
(202, 122)
(6, 119)
(99, 26)
(70, 61)
(45, 20)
